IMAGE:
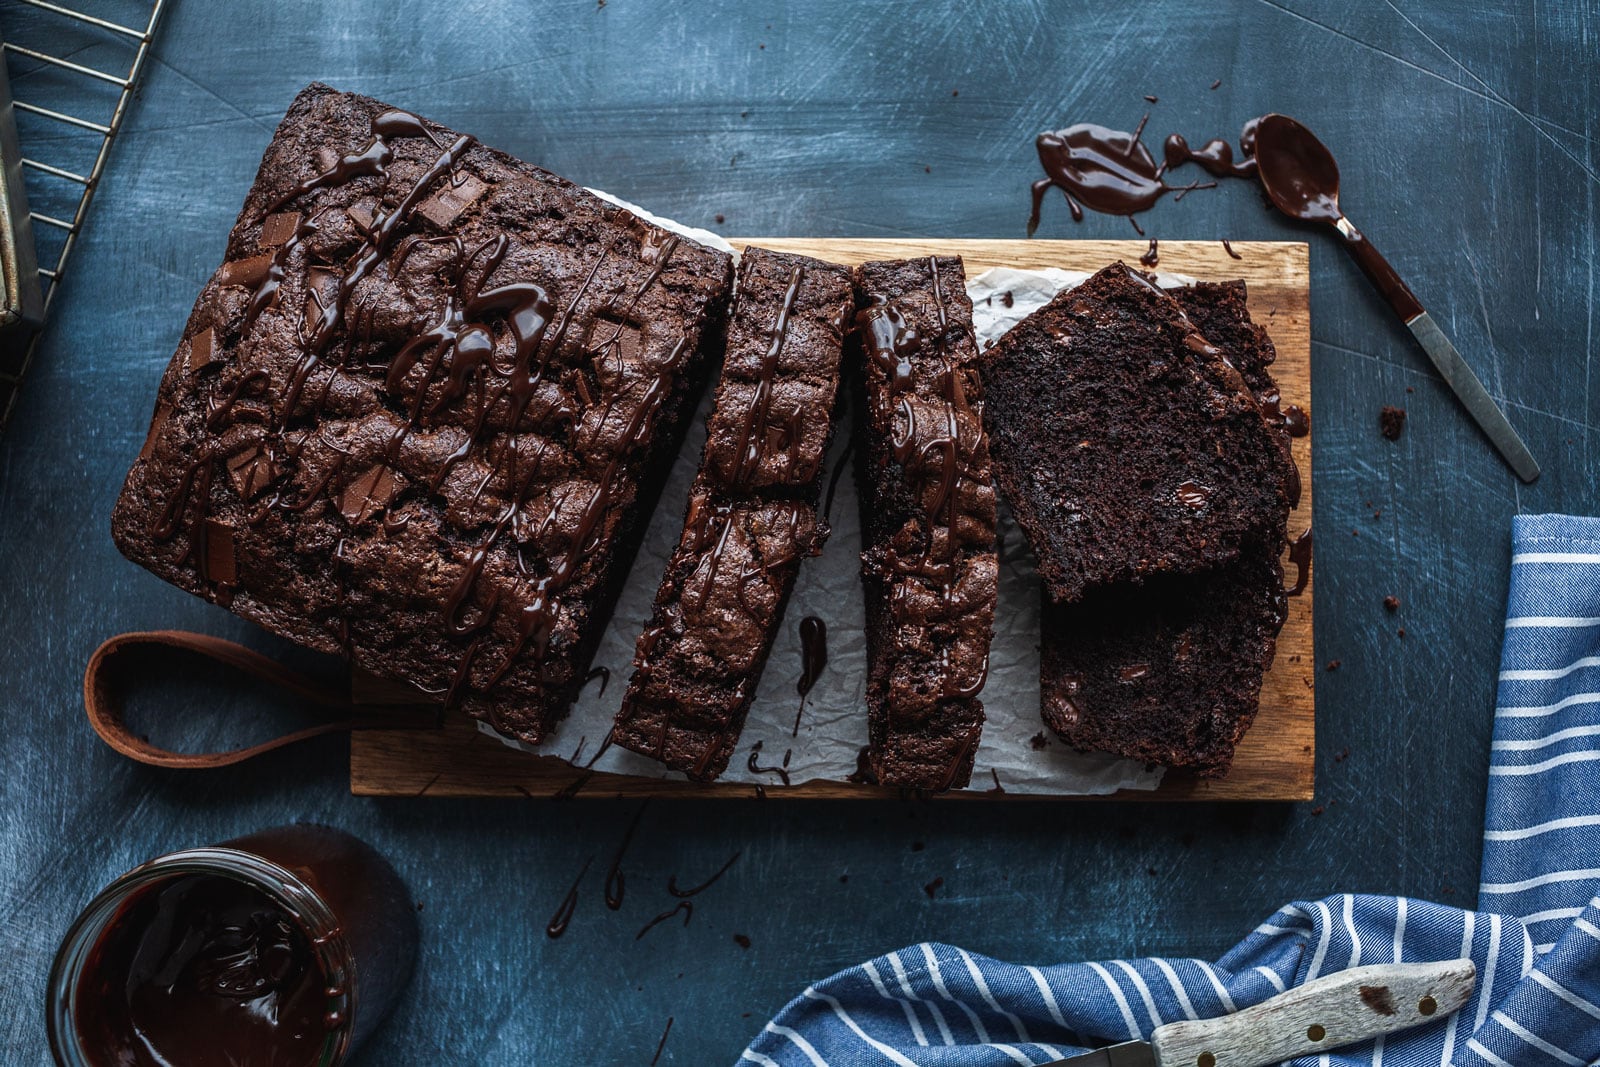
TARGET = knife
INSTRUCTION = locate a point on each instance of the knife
(1322, 1015)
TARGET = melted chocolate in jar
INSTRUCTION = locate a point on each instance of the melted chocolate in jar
(204, 970)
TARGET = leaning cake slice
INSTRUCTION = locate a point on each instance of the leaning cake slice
(752, 517)
(929, 569)
(1126, 443)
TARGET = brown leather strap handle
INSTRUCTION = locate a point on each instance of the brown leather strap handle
(103, 699)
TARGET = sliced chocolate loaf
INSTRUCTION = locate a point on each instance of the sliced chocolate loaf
(1169, 671)
(1125, 442)
(418, 413)
(929, 569)
(752, 516)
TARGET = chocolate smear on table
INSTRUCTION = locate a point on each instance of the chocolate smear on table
(781, 770)
(616, 883)
(684, 906)
(569, 903)
(662, 1044)
(682, 894)
(1099, 169)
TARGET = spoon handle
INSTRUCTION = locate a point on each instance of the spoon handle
(1446, 360)
(1372, 263)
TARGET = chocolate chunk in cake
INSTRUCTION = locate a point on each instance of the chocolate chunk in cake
(752, 516)
(419, 412)
(1169, 671)
(1124, 441)
(930, 568)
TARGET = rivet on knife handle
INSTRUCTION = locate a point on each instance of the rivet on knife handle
(1322, 1015)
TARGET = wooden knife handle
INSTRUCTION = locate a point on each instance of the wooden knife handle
(1321, 1015)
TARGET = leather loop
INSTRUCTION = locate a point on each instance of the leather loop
(103, 699)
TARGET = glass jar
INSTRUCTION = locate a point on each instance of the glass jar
(285, 946)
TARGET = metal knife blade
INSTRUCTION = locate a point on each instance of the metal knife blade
(1474, 397)
(1127, 1054)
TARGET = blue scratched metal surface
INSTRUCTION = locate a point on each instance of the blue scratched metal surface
(1467, 136)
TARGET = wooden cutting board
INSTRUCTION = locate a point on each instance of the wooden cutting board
(1275, 759)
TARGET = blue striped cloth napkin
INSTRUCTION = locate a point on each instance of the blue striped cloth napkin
(1536, 943)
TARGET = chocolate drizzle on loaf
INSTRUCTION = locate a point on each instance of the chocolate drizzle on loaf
(752, 517)
(407, 356)
(928, 522)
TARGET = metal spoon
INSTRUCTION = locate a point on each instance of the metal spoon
(1302, 180)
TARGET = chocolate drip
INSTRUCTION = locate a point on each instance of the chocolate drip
(1296, 421)
(569, 903)
(602, 673)
(372, 160)
(813, 660)
(1215, 157)
(1104, 170)
(1150, 257)
(1300, 556)
(672, 881)
(684, 906)
(863, 774)
(781, 770)
(758, 416)
(616, 883)
(1228, 248)
(662, 1044)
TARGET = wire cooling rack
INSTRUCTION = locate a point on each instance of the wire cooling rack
(74, 68)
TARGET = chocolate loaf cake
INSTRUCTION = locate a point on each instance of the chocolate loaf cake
(418, 413)
(1125, 442)
(1169, 671)
(929, 569)
(752, 516)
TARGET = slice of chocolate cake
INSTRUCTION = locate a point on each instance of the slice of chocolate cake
(418, 413)
(1219, 311)
(1169, 671)
(929, 569)
(752, 516)
(1125, 442)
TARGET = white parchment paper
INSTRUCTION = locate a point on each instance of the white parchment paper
(1017, 752)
